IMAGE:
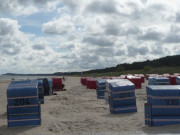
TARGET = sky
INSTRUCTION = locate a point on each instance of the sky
(47, 36)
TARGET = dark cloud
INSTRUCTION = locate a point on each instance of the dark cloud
(174, 35)
(143, 50)
(120, 53)
(144, 1)
(42, 2)
(136, 13)
(4, 31)
(158, 50)
(72, 4)
(68, 46)
(158, 7)
(173, 38)
(104, 7)
(54, 30)
(112, 29)
(5, 6)
(100, 41)
(85, 61)
(24, 2)
(35, 2)
(154, 11)
(178, 17)
(19, 7)
(29, 58)
(9, 49)
(133, 51)
(133, 31)
(104, 51)
(32, 2)
(177, 49)
(38, 47)
(151, 34)
(69, 56)
(93, 60)
(89, 62)
(5, 27)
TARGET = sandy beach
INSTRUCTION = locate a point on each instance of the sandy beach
(77, 111)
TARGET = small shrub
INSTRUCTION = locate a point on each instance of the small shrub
(147, 68)
(120, 68)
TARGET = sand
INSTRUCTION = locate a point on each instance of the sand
(77, 111)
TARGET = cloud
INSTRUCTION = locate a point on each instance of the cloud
(177, 49)
(144, 1)
(9, 42)
(177, 17)
(151, 34)
(67, 45)
(60, 26)
(174, 35)
(23, 7)
(100, 41)
(173, 38)
(104, 51)
(35, 2)
(84, 35)
(102, 6)
(9, 49)
(8, 26)
(158, 50)
(111, 32)
(71, 4)
(133, 30)
(133, 51)
(18, 48)
(38, 47)
(112, 28)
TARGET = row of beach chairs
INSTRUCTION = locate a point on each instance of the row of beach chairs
(163, 98)
(24, 100)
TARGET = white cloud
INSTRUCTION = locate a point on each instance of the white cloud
(98, 40)
(90, 34)
(67, 45)
(10, 42)
(131, 31)
(71, 4)
(152, 34)
(23, 7)
(60, 26)
(22, 50)
(102, 6)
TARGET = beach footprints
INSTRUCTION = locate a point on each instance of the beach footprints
(59, 98)
(53, 127)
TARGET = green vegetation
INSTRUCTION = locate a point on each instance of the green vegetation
(147, 68)
(120, 69)
(151, 70)
(169, 64)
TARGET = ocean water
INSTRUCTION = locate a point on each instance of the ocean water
(9, 77)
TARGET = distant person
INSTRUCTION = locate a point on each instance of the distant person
(63, 87)
(64, 79)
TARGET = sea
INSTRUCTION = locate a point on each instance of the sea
(24, 77)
